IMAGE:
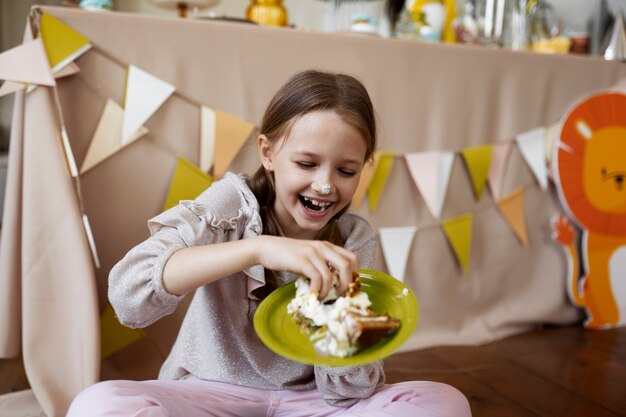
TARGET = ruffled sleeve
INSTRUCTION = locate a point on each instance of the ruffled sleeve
(225, 211)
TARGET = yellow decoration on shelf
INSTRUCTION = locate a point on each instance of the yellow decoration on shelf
(267, 12)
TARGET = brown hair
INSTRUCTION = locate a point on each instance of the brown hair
(304, 93)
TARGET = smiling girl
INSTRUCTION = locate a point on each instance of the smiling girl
(238, 241)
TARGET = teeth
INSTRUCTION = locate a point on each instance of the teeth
(319, 204)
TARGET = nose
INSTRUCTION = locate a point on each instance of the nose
(323, 188)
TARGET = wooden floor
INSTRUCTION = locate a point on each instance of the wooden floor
(559, 372)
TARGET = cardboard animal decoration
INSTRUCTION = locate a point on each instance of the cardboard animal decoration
(589, 167)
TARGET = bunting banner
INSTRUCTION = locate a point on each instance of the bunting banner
(377, 184)
(230, 135)
(9, 87)
(145, 93)
(106, 139)
(552, 131)
(512, 208)
(207, 138)
(396, 245)
(63, 44)
(26, 63)
(431, 173)
(499, 158)
(477, 160)
(69, 69)
(458, 230)
(188, 182)
(366, 178)
(113, 336)
(532, 147)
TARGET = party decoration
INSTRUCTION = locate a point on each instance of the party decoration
(366, 178)
(431, 173)
(207, 138)
(9, 87)
(187, 183)
(230, 135)
(396, 245)
(531, 145)
(145, 93)
(590, 175)
(106, 139)
(512, 208)
(458, 230)
(499, 157)
(113, 336)
(26, 63)
(63, 44)
(385, 163)
(478, 159)
(551, 133)
(69, 69)
(616, 48)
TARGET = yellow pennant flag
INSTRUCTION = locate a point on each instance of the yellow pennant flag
(385, 163)
(512, 208)
(113, 336)
(187, 183)
(230, 135)
(366, 178)
(63, 44)
(478, 160)
(458, 230)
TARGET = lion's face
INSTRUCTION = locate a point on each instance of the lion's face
(590, 163)
(604, 169)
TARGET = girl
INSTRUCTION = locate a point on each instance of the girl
(233, 246)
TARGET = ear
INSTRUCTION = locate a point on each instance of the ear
(266, 151)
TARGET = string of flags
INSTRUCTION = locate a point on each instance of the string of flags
(51, 56)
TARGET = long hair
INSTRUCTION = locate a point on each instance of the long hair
(304, 93)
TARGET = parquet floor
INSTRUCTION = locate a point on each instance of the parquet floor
(556, 372)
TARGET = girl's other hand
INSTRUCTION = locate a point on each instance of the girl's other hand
(312, 259)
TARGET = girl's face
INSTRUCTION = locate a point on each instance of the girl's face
(321, 149)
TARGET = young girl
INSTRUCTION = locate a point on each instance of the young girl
(233, 245)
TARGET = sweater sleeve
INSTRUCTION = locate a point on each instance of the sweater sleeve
(344, 386)
(220, 214)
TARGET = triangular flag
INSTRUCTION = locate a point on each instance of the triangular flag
(396, 245)
(187, 183)
(145, 93)
(63, 44)
(113, 336)
(26, 63)
(69, 69)
(532, 146)
(9, 87)
(106, 139)
(458, 230)
(366, 178)
(207, 138)
(374, 191)
(478, 159)
(499, 157)
(551, 132)
(512, 208)
(230, 135)
(431, 173)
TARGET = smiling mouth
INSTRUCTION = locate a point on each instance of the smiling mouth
(315, 205)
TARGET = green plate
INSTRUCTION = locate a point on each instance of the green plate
(278, 330)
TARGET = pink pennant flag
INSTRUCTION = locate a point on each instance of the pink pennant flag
(26, 63)
(431, 174)
(499, 158)
(9, 87)
(69, 69)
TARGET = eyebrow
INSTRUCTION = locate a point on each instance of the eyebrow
(314, 155)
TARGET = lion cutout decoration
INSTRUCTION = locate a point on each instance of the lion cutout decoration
(589, 169)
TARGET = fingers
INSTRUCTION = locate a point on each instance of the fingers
(329, 264)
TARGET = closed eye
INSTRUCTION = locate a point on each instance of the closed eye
(305, 165)
(347, 172)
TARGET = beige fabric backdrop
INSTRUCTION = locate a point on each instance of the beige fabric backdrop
(428, 97)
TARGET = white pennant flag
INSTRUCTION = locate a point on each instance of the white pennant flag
(207, 137)
(396, 245)
(431, 174)
(533, 148)
(145, 93)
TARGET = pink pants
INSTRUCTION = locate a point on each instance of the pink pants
(191, 398)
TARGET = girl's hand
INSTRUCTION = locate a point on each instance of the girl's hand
(310, 258)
